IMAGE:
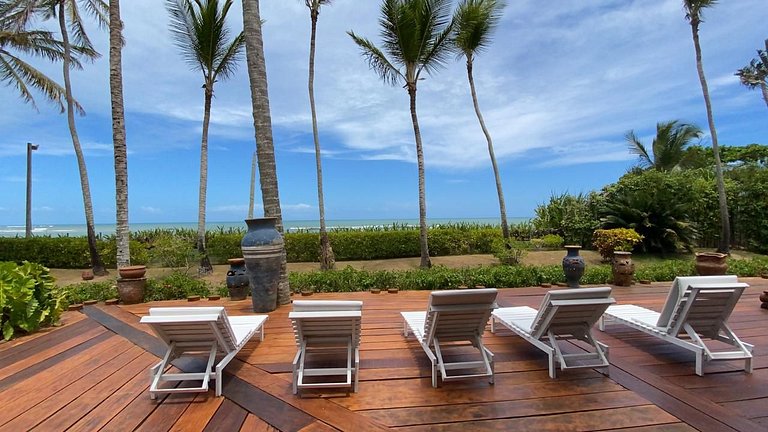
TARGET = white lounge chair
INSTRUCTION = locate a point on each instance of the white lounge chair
(199, 331)
(327, 327)
(453, 317)
(697, 307)
(563, 315)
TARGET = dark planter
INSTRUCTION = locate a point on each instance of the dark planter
(131, 291)
(237, 279)
(263, 249)
(573, 266)
(623, 268)
(711, 264)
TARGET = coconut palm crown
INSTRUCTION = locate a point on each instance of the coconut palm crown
(755, 74)
(668, 147)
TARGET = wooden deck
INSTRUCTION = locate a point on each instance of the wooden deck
(92, 374)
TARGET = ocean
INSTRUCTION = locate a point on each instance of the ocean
(74, 230)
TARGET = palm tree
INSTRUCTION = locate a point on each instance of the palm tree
(199, 27)
(122, 230)
(326, 252)
(262, 123)
(416, 37)
(755, 74)
(668, 147)
(474, 20)
(693, 11)
(253, 186)
(69, 16)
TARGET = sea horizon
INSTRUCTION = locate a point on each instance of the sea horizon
(79, 230)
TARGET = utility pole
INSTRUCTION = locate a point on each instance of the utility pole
(30, 148)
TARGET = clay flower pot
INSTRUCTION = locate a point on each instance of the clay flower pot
(87, 275)
(711, 263)
(132, 272)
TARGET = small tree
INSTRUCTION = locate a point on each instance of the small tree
(668, 147)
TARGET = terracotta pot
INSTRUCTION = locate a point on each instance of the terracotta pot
(764, 297)
(87, 275)
(131, 290)
(132, 272)
(623, 268)
(711, 264)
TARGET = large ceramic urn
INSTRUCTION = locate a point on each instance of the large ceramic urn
(711, 264)
(623, 268)
(573, 266)
(237, 279)
(262, 249)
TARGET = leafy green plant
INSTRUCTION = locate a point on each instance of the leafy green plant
(29, 298)
(172, 251)
(177, 285)
(100, 291)
(618, 239)
(509, 252)
(549, 241)
(572, 217)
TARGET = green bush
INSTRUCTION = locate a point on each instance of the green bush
(572, 217)
(177, 285)
(549, 241)
(618, 239)
(29, 298)
(172, 251)
(100, 291)
(510, 252)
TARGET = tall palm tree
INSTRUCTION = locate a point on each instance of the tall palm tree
(201, 33)
(693, 13)
(69, 14)
(416, 37)
(253, 186)
(326, 252)
(262, 123)
(755, 74)
(122, 230)
(667, 151)
(474, 20)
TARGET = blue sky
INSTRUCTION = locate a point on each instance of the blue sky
(559, 87)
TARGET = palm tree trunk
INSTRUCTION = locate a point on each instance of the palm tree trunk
(262, 123)
(764, 89)
(502, 205)
(205, 262)
(118, 134)
(253, 186)
(423, 243)
(327, 259)
(96, 263)
(725, 228)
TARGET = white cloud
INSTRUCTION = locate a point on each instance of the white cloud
(296, 207)
(231, 208)
(151, 210)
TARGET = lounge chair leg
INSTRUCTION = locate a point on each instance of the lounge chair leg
(748, 365)
(601, 323)
(700, 363)
(552, 369)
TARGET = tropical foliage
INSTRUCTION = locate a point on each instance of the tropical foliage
(618, 239)
(29, 298)
(755, 74)
(573, 217)
(668, 148)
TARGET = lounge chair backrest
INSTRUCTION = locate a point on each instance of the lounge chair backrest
(458, 314)
(193, 324)
(678, 292)
(706, 308)
(571, 308)
(326, 319)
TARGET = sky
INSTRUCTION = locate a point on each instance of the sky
(559, 87)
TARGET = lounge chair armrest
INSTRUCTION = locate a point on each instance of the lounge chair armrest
(170, 319)
(719, 286)
(461, 307)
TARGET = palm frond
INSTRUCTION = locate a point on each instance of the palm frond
(377, 61)
(232, 55)
(474, 21)
(638, 148)
(18, 73)
(694, 9)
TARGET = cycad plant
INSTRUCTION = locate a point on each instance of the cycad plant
(755, 74)
(667, 151)
(200, 31)
(416, 38)
(474, 20)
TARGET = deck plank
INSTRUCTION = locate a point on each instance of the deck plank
(229, 417)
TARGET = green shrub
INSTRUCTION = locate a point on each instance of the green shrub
(177, 285)
(549, 241)
(29, 298)
(618, 239)
(509, 252)
(168, 250)
(100, 291)
(573, 217)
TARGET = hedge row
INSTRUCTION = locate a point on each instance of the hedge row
(350, 279)
(72, 252)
